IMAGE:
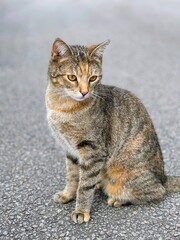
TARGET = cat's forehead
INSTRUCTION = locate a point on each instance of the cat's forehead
(80, 52)
(80, 62)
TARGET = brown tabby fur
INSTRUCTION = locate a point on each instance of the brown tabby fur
(106, 132)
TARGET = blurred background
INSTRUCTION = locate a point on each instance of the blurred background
(143, 57)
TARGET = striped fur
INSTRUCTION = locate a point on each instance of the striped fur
(108, 136)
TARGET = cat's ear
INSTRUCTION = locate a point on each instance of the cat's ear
(98, 50)
(60, 49)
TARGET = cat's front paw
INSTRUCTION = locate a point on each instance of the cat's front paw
(62, 197)
(80, 216)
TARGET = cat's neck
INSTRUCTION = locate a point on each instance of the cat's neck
(59, 103)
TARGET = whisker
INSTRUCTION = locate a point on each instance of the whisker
(96, 95)
(102, 95)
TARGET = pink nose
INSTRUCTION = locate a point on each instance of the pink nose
(84, 92)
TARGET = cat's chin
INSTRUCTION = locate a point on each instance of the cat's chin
(80, 99)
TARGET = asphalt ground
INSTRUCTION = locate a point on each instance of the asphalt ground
(143, 57)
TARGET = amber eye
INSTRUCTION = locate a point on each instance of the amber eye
(72, 77)
(93, 78)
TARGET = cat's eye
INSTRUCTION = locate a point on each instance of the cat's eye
(72, 77)
(93, 78)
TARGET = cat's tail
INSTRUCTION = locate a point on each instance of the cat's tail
(172, 184)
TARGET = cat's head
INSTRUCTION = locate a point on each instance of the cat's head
(74, 71)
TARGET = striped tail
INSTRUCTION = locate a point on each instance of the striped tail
(172, 184)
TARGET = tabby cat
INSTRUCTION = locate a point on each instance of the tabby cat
(106, 132)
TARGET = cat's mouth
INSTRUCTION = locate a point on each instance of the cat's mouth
(79, 96)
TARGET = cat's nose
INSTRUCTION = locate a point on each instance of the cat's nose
(84, 92)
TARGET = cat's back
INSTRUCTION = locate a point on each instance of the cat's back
(134, 141)
(122, 101)
(128, 118)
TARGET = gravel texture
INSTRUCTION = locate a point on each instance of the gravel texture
(143, 57)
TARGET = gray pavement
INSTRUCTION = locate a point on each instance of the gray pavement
(143, 57)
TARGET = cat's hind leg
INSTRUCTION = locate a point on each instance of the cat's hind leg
(113, 185)
(72, 177)
(145, 187)
(114, 202)
(136, 186)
